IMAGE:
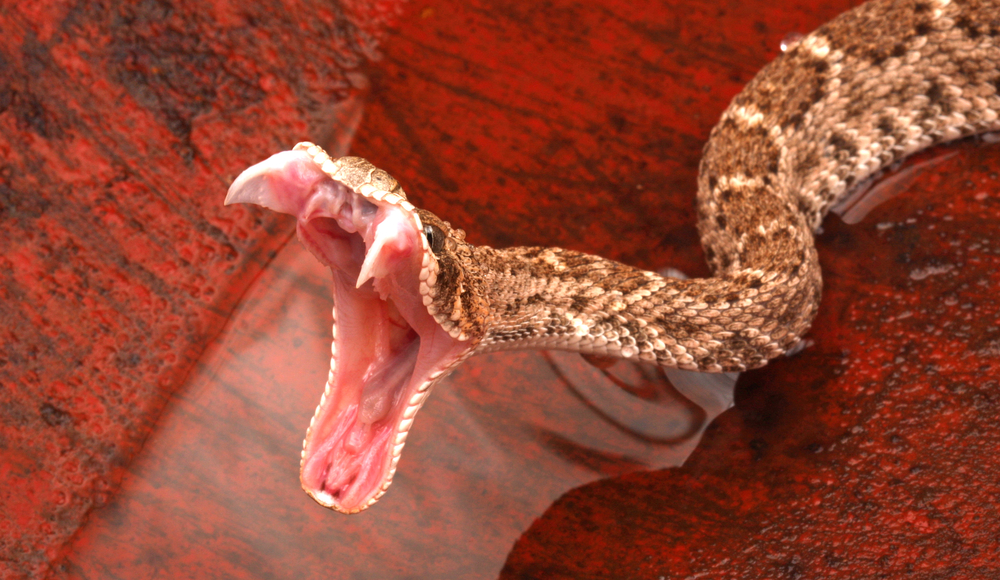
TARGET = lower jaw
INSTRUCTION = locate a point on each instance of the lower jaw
(350, 451)
(356, 436)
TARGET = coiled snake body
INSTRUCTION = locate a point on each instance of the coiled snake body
(413, 299)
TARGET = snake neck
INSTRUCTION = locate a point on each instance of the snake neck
(563, 299)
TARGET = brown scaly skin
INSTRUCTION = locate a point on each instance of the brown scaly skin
(872, 86)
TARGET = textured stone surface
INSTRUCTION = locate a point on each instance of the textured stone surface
(118, 129)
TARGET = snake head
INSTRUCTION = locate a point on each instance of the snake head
(395, 331)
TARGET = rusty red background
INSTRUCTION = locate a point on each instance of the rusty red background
(160, 354)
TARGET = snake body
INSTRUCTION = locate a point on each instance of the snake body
(874, 85)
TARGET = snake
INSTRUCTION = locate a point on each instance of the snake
(413, 299)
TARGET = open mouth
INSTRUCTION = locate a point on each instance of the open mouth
(388, 350)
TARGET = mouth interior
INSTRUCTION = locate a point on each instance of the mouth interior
(387, 350)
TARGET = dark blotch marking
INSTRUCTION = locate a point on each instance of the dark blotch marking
(841, 143)
(802, 206)
(969, 27)
(921, 8)
(795, 120)
(535, 299)
(817, 96)
(807, 163)
(937, 97)
(876, 56)
(820, 66)
(720, 220)
(886, 125)
(922, 29)
(899, 50)
(935, 93)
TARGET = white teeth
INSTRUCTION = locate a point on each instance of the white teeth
(371, 257)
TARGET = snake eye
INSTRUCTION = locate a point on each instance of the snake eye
(435, 238)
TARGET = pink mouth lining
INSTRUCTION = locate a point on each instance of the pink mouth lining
(387, 350)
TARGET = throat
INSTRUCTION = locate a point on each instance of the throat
(385, 381)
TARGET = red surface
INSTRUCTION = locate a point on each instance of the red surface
(873, 453)
(119, 129)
